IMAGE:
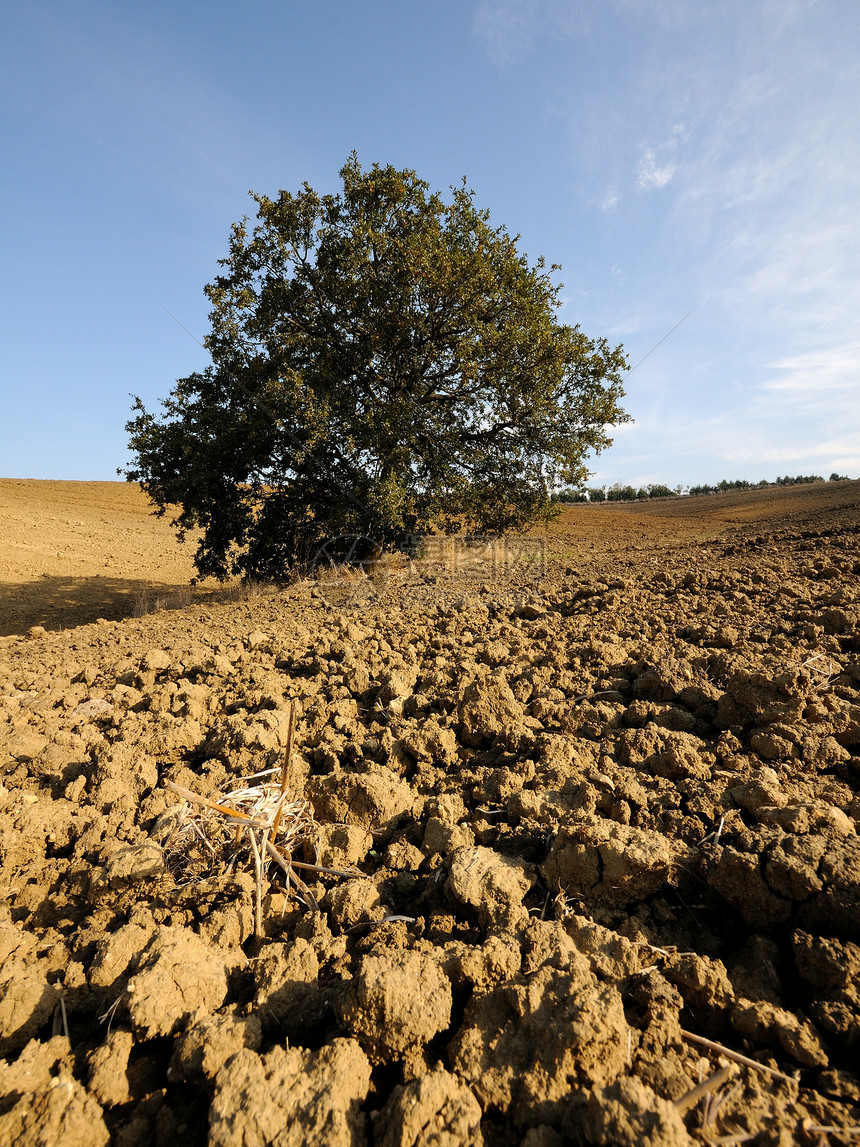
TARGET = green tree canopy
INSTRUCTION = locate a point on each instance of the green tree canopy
(384, 361)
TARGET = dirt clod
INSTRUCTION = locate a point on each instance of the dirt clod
(291, 1097)
(438, 1110)
(397, 1002)
(176, 975)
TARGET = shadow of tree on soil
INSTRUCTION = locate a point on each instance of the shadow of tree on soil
(64, 602)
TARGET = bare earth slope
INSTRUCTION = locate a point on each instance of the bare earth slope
(594, 870)
(71, 552)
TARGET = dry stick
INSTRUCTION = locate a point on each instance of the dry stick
(65, 1017)
(197, 799)
(324, 870)
(692, 1097)
(285, 772)
(61, 1020)
(735, 1055)
(288, 868)
(258, 899)
(264, 841)
(248, 822)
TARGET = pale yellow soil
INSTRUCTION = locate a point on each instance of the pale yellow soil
(71, 552)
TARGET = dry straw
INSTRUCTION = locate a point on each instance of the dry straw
(712, 1045)
(265, 821)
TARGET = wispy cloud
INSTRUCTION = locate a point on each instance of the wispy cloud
(832, 370)
(507, 28)
(730, 445)
(652, 174)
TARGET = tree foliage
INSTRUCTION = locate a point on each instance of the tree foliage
(725, 485)
(384, 361)
(619, 493)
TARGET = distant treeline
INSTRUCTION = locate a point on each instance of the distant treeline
(620, 493)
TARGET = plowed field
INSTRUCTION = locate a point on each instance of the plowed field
(548, 852)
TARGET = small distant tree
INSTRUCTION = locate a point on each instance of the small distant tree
(799, 480)
(596, 493)
(834, 477)
(619, 493)
(384, 361)
(736, 484)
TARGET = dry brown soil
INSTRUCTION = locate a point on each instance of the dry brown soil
(595, 833)
(72, 552)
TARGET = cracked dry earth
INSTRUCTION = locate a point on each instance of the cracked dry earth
(587, 823)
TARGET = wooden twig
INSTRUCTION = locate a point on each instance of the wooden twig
(735, 1055)
(225, 810)
(731, 1140)
(285, 771)
(291, 733)
(61, 1020)
(287, 866)
(309, 897)
(65, 1017)
(265, 841)
(248, 822)
(258, 869)
(321, 868)
(692, 1097)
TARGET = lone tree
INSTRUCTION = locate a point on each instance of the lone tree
(384, 362)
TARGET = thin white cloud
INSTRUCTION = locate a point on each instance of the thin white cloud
(506, 28)
(732, 445)
(822, 456)
(509, 30)
(652, 175)
(828, 370)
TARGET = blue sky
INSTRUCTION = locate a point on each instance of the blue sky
(670, 154)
